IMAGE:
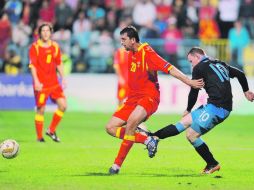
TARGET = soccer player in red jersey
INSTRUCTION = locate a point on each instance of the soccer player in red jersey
(143, 96)
(121, 69)
(45, 61)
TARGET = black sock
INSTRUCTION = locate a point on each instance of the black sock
(205, 153)
(167, 131)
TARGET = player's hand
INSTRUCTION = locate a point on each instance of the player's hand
(64, 83)
(249, 95)
(185, 113)
(198, 83)
(38, 86)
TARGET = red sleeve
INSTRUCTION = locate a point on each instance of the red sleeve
(33, 56)
(156, 62)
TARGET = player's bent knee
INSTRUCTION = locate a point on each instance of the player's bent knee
(109, 129)
(41, 110)
(62, 105)
(63, 108)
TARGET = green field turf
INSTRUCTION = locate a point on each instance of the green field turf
(82, 159)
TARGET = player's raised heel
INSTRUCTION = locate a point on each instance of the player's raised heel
(209, 169)
(53, 136)
(152, 146)
(113, 171)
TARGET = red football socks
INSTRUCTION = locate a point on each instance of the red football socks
(139, 138)
(55, 120)
(39, 120)
(123, 151)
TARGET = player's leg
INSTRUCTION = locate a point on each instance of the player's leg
(202, 149)
(40, 101)
(115, 127)
(130, 136)
(57, 96)
(172, 130)
(142, 128)
(136, 117)
(147, 105)
(39, 122)
(57, 117)
(204, 119)
(122, 96)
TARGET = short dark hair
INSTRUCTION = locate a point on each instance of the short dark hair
(45, 24)
(131, 32)
(196, 50)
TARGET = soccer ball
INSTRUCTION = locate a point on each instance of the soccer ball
(9, 148)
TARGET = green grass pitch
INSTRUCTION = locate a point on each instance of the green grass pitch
(82, 159)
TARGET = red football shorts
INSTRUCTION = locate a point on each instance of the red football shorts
(150, 104)
(54, 93)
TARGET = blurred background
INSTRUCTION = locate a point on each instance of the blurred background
(88, 33)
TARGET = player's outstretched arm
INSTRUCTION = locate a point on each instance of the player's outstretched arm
(199, 83)
(234, 72)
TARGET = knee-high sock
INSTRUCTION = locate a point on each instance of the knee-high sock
(120, 131)
(139, 138)
(55, 120)
(203, 150)
(124, 149)
(39, 121)
(170, 130)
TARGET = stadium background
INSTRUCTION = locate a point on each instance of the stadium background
(88, 33)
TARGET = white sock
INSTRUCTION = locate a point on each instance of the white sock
(147, 140)
(115, 167)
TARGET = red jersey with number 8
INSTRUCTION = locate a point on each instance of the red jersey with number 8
(45, 60)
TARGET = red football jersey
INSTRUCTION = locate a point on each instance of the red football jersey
(142, 71)
(121, 59)
(45, 61)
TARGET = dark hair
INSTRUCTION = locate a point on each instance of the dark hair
(45, 24)
(131, 32)
(196, 50)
